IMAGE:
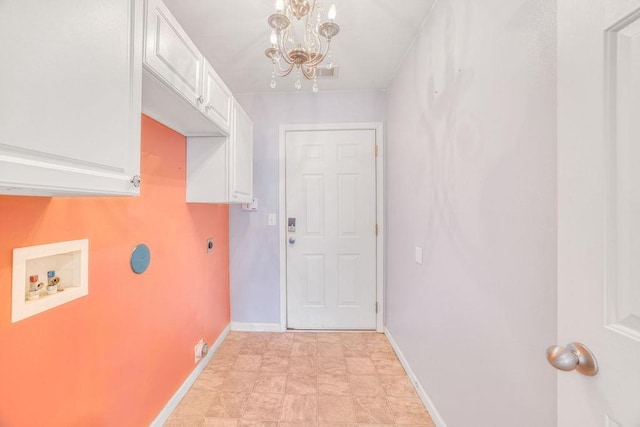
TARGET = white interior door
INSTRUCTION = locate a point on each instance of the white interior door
(599, 208)
(331, 249)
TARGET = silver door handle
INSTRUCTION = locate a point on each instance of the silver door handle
(574, 356)
(292, 240)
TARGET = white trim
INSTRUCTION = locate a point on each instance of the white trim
(378, 127)
(433, 412)
(186, 385)
(255, 327)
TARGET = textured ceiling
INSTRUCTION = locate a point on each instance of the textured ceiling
(233, 35)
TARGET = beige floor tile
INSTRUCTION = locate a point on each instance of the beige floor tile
(365, 385)
(256, 348)
(230, 347)
(270, 382)
(209, 380)
(247, 362)
(184, 421)
(330, 349)
(299, 383)
(298, 424)
(249, 423)
(281, 338)
(300, 408)
(397, 386)
(277, 349)
(263, 407)
(379, 347)
(331, 337)
(353, 337)
(274, 364)
(238, 382)
(220, 422)
(195, 402)
(377, 338)
(332, 365)
(372, 410)
(354, 350)
(335, 409)
(304, 365)
(409, 411)
(360, 366)
(261, 337)
(226, 405)
(305, 337)
(302, 379)
(334, 384)
(388, 367)
(237, 336)
(309, 349)
(222, 364)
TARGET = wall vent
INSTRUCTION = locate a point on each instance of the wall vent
(327, 73)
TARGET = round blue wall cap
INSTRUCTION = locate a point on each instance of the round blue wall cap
(140, 258)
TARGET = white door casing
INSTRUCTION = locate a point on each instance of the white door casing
(599, 208)
(331, 182)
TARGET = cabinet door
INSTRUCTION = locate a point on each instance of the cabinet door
(241, 164)
(70, 96)
(217, 98)
(170, 55)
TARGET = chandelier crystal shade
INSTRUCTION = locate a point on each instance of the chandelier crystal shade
(303, 53)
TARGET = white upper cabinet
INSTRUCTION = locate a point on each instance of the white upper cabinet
(217, 98)
(241, 190)
(170, 55)
(70, 97)
(220, 169)
(180, 88)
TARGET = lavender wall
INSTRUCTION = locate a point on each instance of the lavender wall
(471, 178)
(254, 250)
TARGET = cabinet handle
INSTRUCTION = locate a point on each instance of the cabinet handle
(136, 181)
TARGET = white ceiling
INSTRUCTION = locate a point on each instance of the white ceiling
(233, 35)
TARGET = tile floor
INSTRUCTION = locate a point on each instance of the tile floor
(302, 379)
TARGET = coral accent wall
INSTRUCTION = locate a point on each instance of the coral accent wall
(116, 356)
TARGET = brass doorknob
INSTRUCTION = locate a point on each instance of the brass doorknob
(574, 356)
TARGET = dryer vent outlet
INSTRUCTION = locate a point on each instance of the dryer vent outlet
(198, 352)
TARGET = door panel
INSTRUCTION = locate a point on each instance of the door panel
(331, 193)
(598, 201)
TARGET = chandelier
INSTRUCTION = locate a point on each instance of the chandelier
(305, 53)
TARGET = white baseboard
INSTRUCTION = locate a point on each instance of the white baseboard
(435, 416)
(186, 385)
(255, 327)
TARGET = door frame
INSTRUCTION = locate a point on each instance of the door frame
(378, 127)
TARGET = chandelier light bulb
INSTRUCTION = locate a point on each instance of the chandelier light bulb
(279, 5)
(332, 13)
(274, 38)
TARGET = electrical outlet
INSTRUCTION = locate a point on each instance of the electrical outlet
(272, 219)
(210, 245)
(419, 255)
(197, 350)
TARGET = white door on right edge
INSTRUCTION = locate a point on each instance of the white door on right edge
(599, 208)
(331, 248)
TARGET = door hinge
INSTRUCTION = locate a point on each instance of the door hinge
(376, 150)
(376, 229)
(376, 306)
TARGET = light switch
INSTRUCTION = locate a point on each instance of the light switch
(418, 255)
(272, 219)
